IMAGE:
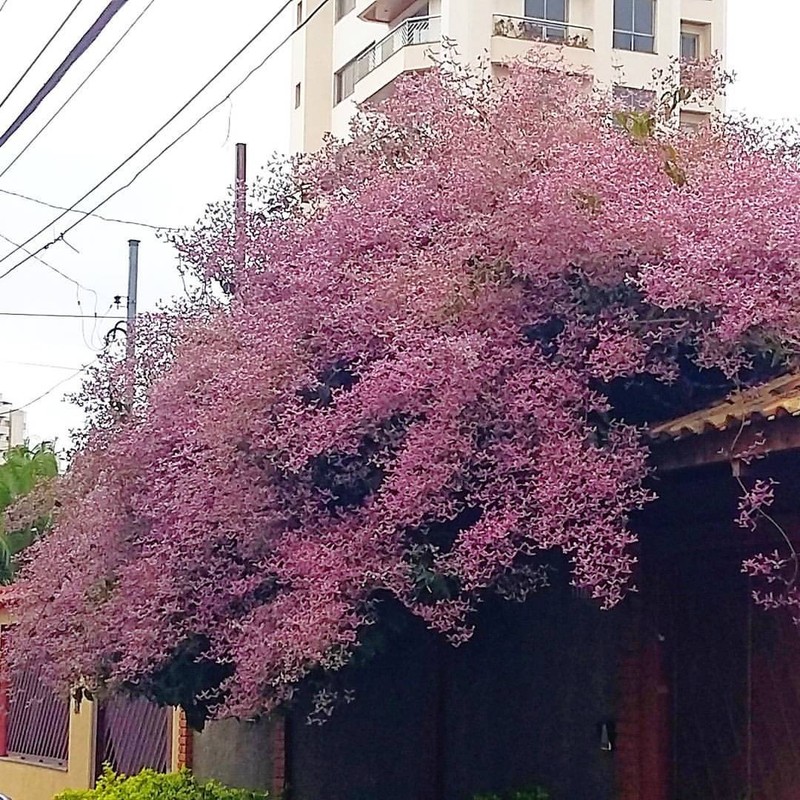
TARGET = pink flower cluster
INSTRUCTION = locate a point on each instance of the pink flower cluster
(405, 395)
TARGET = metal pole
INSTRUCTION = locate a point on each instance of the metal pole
(240, 203)
(133, 285)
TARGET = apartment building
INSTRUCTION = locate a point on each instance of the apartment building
(352, 51)
(12, 427)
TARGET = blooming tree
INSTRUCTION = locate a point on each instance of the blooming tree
(435, 365)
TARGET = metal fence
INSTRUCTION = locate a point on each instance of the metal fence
(543, 30)
(416, 30)
(38, 720)
(133, 734)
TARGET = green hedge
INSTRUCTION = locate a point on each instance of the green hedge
(149, 785)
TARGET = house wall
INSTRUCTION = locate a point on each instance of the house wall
(519, 705)
(25, 780)
(20, 780)
(239, 754)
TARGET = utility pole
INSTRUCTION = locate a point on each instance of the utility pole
(240, 204)
(133, 285)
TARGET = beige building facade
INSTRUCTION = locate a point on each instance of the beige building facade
(351, 51)
(12, 427)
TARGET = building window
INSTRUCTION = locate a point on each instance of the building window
(549, 11)
(300, 13)
(635, 25)
(298, 95)
(344, 7)
(690, 46)
(345, 82)
(693, 120)
(634, 99)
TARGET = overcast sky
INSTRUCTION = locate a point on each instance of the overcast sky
(175, 47)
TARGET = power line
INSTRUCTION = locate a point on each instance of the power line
(179, 137)
(86, 213)
(45, 315)
(57, 271)
(40, 53)
(37, 364)
(84, 43)
(78, 88)
(52, 388)
(3, 6)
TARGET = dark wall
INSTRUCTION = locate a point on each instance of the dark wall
(382, 745)
(234, 753)
(518, 705)
(526, 697)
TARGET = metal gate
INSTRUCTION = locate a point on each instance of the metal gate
(735, 688)
(133, 734)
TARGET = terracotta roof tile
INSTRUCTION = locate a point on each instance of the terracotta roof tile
(777, 398)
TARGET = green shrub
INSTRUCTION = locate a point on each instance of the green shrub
(149, 785)
(536, 793)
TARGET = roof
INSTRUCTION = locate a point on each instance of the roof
(777, 398)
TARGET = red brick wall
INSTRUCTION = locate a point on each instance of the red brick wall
(184, 743)
(278, 754)
(642, 747)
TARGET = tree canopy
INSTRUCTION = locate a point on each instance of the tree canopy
(27, 488)
(436, 365)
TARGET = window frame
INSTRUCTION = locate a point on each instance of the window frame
(633, 34)
(694, 37)
(545, 17)
(343, 8)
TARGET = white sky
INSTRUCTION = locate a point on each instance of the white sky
(175, 47)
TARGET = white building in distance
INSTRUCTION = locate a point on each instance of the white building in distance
(352, 51)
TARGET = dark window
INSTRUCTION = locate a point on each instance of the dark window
(38, 719)
(634, 99)
(345, 82)
(298, 95)
(551, 10)
(690, 46)
(634, 25)
(545, 10)
(300, 13)
(344, 7)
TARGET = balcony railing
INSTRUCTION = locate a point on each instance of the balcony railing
(543, 30)
(415, 30)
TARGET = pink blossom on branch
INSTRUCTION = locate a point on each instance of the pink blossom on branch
(411, 390)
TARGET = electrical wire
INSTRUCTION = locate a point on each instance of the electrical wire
(39, 365)
(116, 220)
(84, 43)
(78, 286)
(3, 5)
(49, 391)
(78, 88)
(40, 54)
(174, 141)
(57, 271)
(45, 315)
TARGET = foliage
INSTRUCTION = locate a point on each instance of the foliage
(150, 785)
(27, 478)
(537, 793)
(436, 365)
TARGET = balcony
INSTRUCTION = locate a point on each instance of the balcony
(416, 30)
(542, 30)
(404, 49)
(513, 37)
(383, 10)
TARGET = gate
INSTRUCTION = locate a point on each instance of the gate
(133, 734)
(735, 688)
